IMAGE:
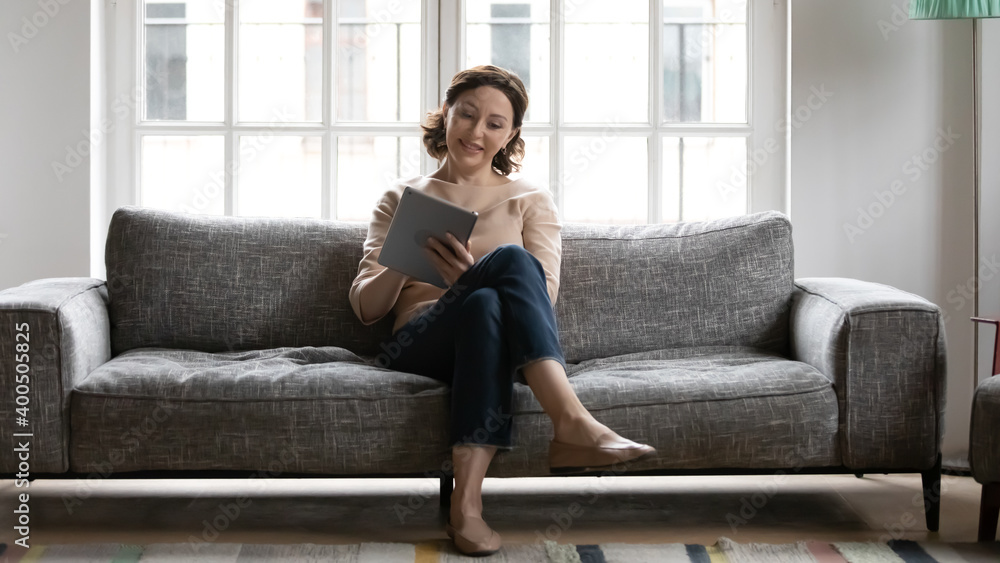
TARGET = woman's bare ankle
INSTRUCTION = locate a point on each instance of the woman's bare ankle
(579, 429)
(463, 506)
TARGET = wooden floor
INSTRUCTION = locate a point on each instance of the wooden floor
(565, 509)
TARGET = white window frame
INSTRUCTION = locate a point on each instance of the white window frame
(128, 68)
(767, 98)
(444, 54)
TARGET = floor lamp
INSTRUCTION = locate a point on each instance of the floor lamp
(974, 10)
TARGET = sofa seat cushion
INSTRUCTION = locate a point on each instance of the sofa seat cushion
(309, 409)
(272, 375)
(708, 407)
(685, 375)
(327, 410)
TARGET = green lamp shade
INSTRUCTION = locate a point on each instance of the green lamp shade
(953, 9)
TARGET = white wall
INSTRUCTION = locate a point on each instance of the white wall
(100, 121)
(896, 83)
(44, 114)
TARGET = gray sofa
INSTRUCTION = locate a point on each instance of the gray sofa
(984, 441)
(225, 346)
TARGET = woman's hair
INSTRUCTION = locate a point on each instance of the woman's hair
(504, 80)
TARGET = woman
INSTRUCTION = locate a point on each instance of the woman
(496, 319)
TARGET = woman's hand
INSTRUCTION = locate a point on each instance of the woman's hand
(449, 257)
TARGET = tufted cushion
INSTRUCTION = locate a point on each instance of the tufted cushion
(632, 288)
(214, 284)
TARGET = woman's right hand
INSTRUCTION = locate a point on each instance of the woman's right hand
(450, 258)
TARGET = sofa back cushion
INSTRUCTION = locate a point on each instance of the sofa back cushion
(214, 284)
(211, 283)
(632, 288)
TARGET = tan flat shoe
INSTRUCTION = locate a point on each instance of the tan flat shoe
(610, 449)
(475, 538)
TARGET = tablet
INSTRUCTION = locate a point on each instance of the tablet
(417, 217)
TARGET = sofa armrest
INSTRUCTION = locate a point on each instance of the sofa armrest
(984, 431)
(884, 350)
(64, 322)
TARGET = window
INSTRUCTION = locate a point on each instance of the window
(245, 111)
(634, 122)
(641, 111)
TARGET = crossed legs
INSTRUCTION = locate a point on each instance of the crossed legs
(496, 316)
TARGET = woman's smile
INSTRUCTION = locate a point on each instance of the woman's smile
(471, 147)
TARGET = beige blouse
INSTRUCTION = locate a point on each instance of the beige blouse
(517, 212)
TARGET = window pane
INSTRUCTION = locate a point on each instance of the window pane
(378, 60)
(513, 34)
(281, 60)
(366, 166)
(705, 11)
(711, 175)
(704, 61)
(185, 61)
(535, 164)
(183, 173)
(607, 61)
(605, 180)
(670, 197)
(279, 176)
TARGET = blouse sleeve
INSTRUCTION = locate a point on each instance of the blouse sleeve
(542, 237)
(369, 266)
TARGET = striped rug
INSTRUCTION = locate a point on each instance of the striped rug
(724, 550)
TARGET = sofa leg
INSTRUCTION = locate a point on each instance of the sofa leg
(447, 486)
(989, 509)
(932, 494)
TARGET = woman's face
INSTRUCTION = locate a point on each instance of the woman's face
(477, 126)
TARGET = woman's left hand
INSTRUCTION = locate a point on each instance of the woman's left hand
(449, 257)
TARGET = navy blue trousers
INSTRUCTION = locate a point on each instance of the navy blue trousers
(494, 320)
